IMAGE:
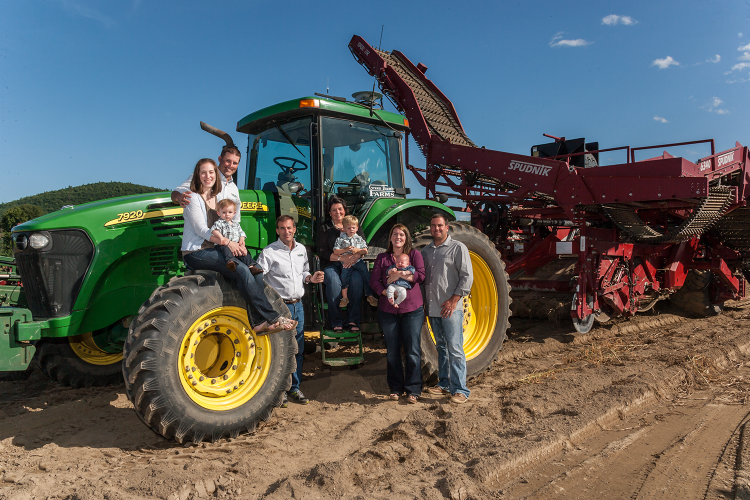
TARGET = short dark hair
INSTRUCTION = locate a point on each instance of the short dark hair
(195, 184)
(284, 218)
(335, 200)
(439, 216)
(230, 149)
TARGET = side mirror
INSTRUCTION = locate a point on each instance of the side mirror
(441, 198)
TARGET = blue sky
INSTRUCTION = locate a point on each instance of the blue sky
(114, 90)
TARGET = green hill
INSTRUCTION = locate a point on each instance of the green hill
(54, 200)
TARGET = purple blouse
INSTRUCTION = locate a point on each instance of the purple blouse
(379, 282)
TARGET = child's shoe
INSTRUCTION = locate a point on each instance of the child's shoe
(373, 300)
(231, 266)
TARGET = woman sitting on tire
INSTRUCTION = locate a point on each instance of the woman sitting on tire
(198, 251)
(330, 231)
(401, 324)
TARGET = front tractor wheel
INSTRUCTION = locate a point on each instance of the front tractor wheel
(194, 368)
(486, 309)
(79, 362)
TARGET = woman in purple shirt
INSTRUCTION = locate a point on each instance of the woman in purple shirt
(401, 326)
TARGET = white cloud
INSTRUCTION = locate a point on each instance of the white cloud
(713, 106)
(86, 12)
(739, 35)
(558, 41)
(714, 59)
(744, 57)
(613, 19)
(665, 63)
(744, 47)
(740, 66)
(660, 119)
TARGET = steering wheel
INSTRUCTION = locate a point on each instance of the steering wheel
(289, 168)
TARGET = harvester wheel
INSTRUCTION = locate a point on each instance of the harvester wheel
(486, 310)
(79, 362)
(694, 297)
(193, 367)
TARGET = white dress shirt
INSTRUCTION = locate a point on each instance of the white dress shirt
(228, 190)
(285, 270)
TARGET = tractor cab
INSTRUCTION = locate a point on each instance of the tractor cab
(306, 150)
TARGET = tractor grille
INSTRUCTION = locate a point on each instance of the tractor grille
(163, 260)
(52, 277)
(167, 227)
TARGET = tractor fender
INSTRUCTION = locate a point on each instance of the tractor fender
(386, 209)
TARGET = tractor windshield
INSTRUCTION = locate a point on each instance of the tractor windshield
(360, 161)
(279, 156)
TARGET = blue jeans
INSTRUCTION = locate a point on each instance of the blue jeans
(358, 267)
(298, 314)
(332, 282)
(449, 338)
(259, 309)
(403, 330)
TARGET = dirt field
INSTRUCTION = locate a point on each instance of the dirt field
(650, 408)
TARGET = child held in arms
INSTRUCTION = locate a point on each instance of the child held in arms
(396, 291)
(348, 243)
(231, 230)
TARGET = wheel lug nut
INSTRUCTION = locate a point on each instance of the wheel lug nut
(187, 368)
(235, 387)
(229, 391)
(213, 380)
(234, 367)
(213, 321)
(205, 325)
(229, 332)
(225, 377)
(242, 382)
(195, 383)
(202, 378)
(192, 369)
(216, 328)
(238, 355)
(190, 376)
(236, 341)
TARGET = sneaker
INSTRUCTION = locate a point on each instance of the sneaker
(373, 300)
(459, 398)
(299, 397)
(284, 401)
(438, 391)
(344, 302)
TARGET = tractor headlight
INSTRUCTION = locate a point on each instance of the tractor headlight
(37, 241)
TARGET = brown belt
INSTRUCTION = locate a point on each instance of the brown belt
(293, 301)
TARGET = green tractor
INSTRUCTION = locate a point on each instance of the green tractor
(107, 293)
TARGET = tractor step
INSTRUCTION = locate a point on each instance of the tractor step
(331, 337)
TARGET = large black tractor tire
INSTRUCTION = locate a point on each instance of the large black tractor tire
(194, 369)
(487, 317)
(78, 362)
(694, 297)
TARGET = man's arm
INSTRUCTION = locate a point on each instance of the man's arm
(181, 194)
(465, 272)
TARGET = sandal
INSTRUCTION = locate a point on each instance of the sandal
(394, 397)
(338, 329)
(287, 324)
(412, 399)
(353, 328)
(269, 328)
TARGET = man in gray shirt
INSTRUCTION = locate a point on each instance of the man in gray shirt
(448, 278)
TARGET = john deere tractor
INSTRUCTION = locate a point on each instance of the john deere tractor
(108, 294)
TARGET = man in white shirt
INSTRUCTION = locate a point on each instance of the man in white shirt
(229, 160)
(287, 270)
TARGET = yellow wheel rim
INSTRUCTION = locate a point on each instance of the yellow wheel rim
(86, 349)
(480, 309)
(222, 362)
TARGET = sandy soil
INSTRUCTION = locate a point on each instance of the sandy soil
(653, 407)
